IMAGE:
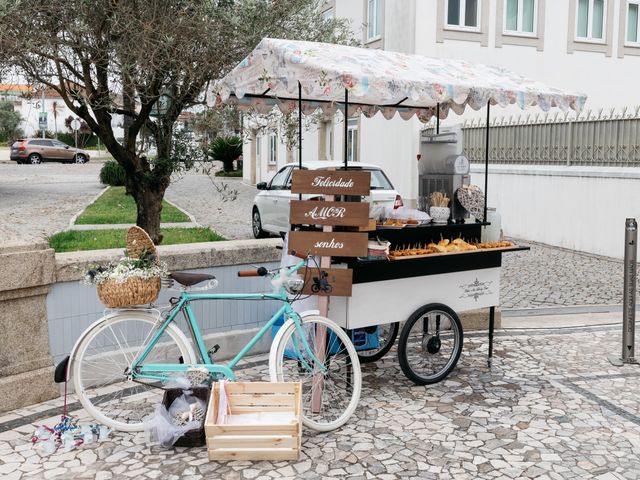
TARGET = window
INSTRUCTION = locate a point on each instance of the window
(273, 148)
(352, 140)
(42, 143)
(374, 19)
(590, 20)
(633, 19)
(327, 14)
(464, 14)
(259, 147)
(520, 17)
(279, 179)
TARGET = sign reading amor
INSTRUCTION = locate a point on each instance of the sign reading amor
(331, 182)
(339, 244)
(348, 214)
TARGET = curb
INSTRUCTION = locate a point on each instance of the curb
(75, 217)
(191, 217)
(117, 226)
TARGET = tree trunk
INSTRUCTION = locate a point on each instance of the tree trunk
(149, 204)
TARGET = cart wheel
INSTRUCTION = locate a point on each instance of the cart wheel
(386, 336)
(430, 344)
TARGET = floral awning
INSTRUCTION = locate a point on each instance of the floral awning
(377, 81)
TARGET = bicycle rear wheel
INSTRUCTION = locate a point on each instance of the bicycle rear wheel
(387, 334)
(101, 368)
(430, 344)
(331, 396)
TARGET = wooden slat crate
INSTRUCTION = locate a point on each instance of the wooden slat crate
(279, 441)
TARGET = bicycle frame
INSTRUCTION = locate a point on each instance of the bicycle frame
(139, 370)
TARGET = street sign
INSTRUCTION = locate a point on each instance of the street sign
(42, 120)
(76, 124)
(348, 214)
(339, 244)
(331, 182)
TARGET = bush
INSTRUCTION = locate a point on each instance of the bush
(235, 173)
(112, 174)
(226, 150)
(84, 140)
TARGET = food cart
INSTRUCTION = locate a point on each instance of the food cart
(432, 271)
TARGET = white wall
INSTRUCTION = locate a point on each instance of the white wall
(579, 208)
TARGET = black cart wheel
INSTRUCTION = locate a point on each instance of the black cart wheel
(386, 337)
(430, 344)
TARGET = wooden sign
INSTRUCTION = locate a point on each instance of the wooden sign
(347, 214)
(328, 281)
(339, 244)
(331, 182)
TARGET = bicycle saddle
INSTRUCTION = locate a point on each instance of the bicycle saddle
(188, 279)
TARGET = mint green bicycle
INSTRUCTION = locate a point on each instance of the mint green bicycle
(121, 361)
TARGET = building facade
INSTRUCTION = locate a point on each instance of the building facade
(591, 46)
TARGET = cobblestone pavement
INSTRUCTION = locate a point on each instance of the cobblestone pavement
(224, 204)
(551, 407)
(40, 200)
(554, 277)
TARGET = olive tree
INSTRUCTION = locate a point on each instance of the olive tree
(113, 60)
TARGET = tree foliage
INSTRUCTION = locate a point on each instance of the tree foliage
(110, 58)
(9, 121)
(226, 150)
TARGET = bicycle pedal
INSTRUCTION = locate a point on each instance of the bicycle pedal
(213, 351)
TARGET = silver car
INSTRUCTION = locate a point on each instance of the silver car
(270, 214)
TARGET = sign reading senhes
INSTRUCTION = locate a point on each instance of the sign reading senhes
(339, 244)
(331, 182)
(348, 214)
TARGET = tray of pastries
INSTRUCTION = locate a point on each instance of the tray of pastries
(444, 247)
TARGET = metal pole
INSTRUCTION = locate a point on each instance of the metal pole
(486, 162)
(43, 110)
(437, 118)
(629, 296)
(300, 125)
(346, 124)
(629, 306)
(299, 130)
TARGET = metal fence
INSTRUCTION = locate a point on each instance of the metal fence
(601, 138)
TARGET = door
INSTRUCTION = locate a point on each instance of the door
(42, 147)
(62, 151)
(269, 200)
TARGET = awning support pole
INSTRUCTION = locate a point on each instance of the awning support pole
(437, 118)
(300, 125)
(346, 125)
(486, 161)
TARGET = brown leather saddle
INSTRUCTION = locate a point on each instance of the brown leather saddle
(189, 279)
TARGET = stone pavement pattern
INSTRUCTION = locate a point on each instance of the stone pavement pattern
(551, 407)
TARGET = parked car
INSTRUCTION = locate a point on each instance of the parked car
(270, 214)
(38, 150)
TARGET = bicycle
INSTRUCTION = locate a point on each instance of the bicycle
(120, 361)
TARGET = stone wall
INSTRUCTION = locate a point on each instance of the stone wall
(27, 270)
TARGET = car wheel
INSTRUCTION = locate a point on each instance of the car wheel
(256, 225)
(34, 159)
(80, 158)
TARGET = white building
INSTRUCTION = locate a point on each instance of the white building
(590, 46)
(28, 102)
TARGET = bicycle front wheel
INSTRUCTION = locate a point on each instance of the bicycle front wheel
(331, 390)
(101, 368)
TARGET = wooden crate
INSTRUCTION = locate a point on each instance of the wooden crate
(255, 441)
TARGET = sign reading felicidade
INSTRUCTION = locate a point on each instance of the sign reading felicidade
(331, 182)
(339, 244)
(347, 214)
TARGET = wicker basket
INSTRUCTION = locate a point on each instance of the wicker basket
(133, 291)
(138, 241)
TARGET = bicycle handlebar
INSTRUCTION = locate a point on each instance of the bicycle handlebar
(260, 272)
(299, 255)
